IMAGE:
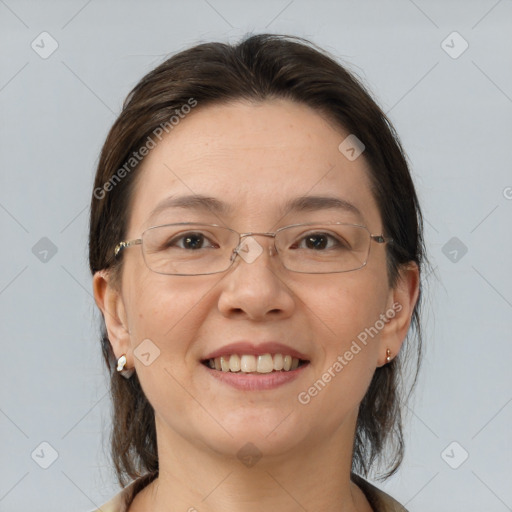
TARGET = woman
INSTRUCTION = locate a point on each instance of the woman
(256, 248)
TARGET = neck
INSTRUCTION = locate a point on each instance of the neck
(193, 478)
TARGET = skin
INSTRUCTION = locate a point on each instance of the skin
(254, 157)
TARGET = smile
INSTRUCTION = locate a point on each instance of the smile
(248, 363)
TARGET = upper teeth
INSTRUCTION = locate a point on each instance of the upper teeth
(265, 363)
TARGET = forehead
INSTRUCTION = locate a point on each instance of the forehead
(256, 161)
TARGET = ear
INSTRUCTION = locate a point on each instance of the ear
(401, 302)
(110, 301)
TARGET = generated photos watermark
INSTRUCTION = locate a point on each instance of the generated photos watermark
(304, 397)
(149, 144)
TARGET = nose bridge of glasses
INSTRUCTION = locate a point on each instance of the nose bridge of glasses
(247, 244)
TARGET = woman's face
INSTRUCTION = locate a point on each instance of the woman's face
(254, 158)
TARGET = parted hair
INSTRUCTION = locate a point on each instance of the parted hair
(260, 67)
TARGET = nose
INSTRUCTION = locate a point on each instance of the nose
(255, 285)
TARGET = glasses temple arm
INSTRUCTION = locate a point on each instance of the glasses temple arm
(125, 244)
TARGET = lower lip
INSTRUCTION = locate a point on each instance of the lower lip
(256, 381)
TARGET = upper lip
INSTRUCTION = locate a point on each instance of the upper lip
(252, 348)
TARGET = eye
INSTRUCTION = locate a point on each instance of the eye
(191, 240)
(318, 241)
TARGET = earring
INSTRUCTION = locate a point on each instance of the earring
(120, 365)
(388, 355)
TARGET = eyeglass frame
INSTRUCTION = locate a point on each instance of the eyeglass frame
(126, 244)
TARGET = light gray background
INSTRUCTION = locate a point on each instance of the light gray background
(453, 116)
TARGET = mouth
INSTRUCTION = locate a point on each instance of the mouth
(255, 364)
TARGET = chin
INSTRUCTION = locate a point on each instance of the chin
(272, 434)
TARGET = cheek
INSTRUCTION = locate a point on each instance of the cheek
(164, 318)
(346, 307)
(343, 313)
(159, 313)
(168, 310)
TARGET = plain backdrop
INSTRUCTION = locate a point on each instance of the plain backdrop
(440, 69)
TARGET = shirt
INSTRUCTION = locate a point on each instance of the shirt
(379, 500)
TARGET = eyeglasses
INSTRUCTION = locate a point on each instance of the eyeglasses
(189, 249)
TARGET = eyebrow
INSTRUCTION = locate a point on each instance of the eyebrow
(193, 202)
(211, 204)
(315, 203)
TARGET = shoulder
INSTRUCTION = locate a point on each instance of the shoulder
(119, 503)
(116, 504)
(379, 500)
(122, 500)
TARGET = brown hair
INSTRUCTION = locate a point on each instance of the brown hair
(260, 67)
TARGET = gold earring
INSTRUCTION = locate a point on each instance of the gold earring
(120, 365)
(388, 355)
